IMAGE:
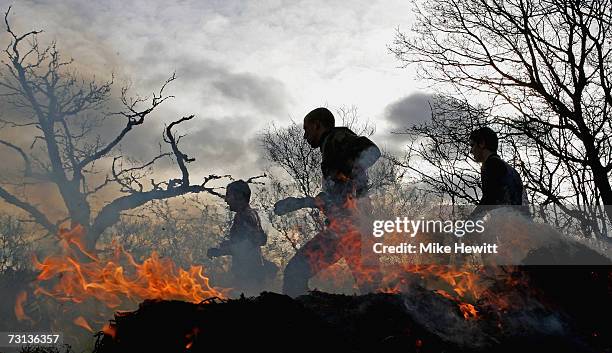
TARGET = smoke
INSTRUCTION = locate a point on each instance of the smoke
(524, 241)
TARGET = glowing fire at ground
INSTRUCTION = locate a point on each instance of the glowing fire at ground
(463, 285)
(112, 282)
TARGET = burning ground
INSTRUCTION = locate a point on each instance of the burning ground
(420, 308)
(417, 320)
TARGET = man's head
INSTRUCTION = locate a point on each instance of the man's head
(238, 195)
(316, 123)
(483, 142)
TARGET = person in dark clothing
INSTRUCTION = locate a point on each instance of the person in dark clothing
(246, 237)
(501, 183)
(345, 160)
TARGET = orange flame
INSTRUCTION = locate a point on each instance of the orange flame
(110, 330)
(80, 321)
(19, 312)
(190, 336)
(463, 282)
(110, 281)
(468, 310)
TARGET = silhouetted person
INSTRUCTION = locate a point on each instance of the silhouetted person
(345, 160)
(501, 183)
(246, 237)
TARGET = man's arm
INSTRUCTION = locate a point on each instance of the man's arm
(222, 250)
(291, 204)
(366, 153)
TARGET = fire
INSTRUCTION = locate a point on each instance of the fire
(190, 337)
(154, 278)
(463, 282)
(468, 310)
(80, 321)
(110, 330)
(22, 297)
(113, 281)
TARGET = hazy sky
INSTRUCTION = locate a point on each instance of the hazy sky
(241, 65)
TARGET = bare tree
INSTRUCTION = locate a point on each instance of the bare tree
(546, 67)
(13, 244)
(437, 155)
(440, 166)
(62, 112)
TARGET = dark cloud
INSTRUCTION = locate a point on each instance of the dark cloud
(215, 83)
(218, 141)
(220, 146)
(265, 94)
(408, 111)
(401, 114)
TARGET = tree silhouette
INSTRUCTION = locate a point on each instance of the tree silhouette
(61, 112)
(545, 65)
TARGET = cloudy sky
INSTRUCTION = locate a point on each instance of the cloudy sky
(241, 65)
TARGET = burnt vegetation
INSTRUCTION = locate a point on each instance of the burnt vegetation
(419, 320)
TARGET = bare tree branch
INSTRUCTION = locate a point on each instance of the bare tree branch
(38, 216)
(544, 65)
(64, 110)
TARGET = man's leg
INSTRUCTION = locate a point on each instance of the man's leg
(356, 248)
(317, 254)
(364, 267)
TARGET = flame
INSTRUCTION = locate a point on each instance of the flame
(344, 221)
(464, 283)
(80, 321)
(468, 310)
(342, 237)
(350, 203)
(110, 330)
(112, 282)
(22, 297)
(190, 336)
